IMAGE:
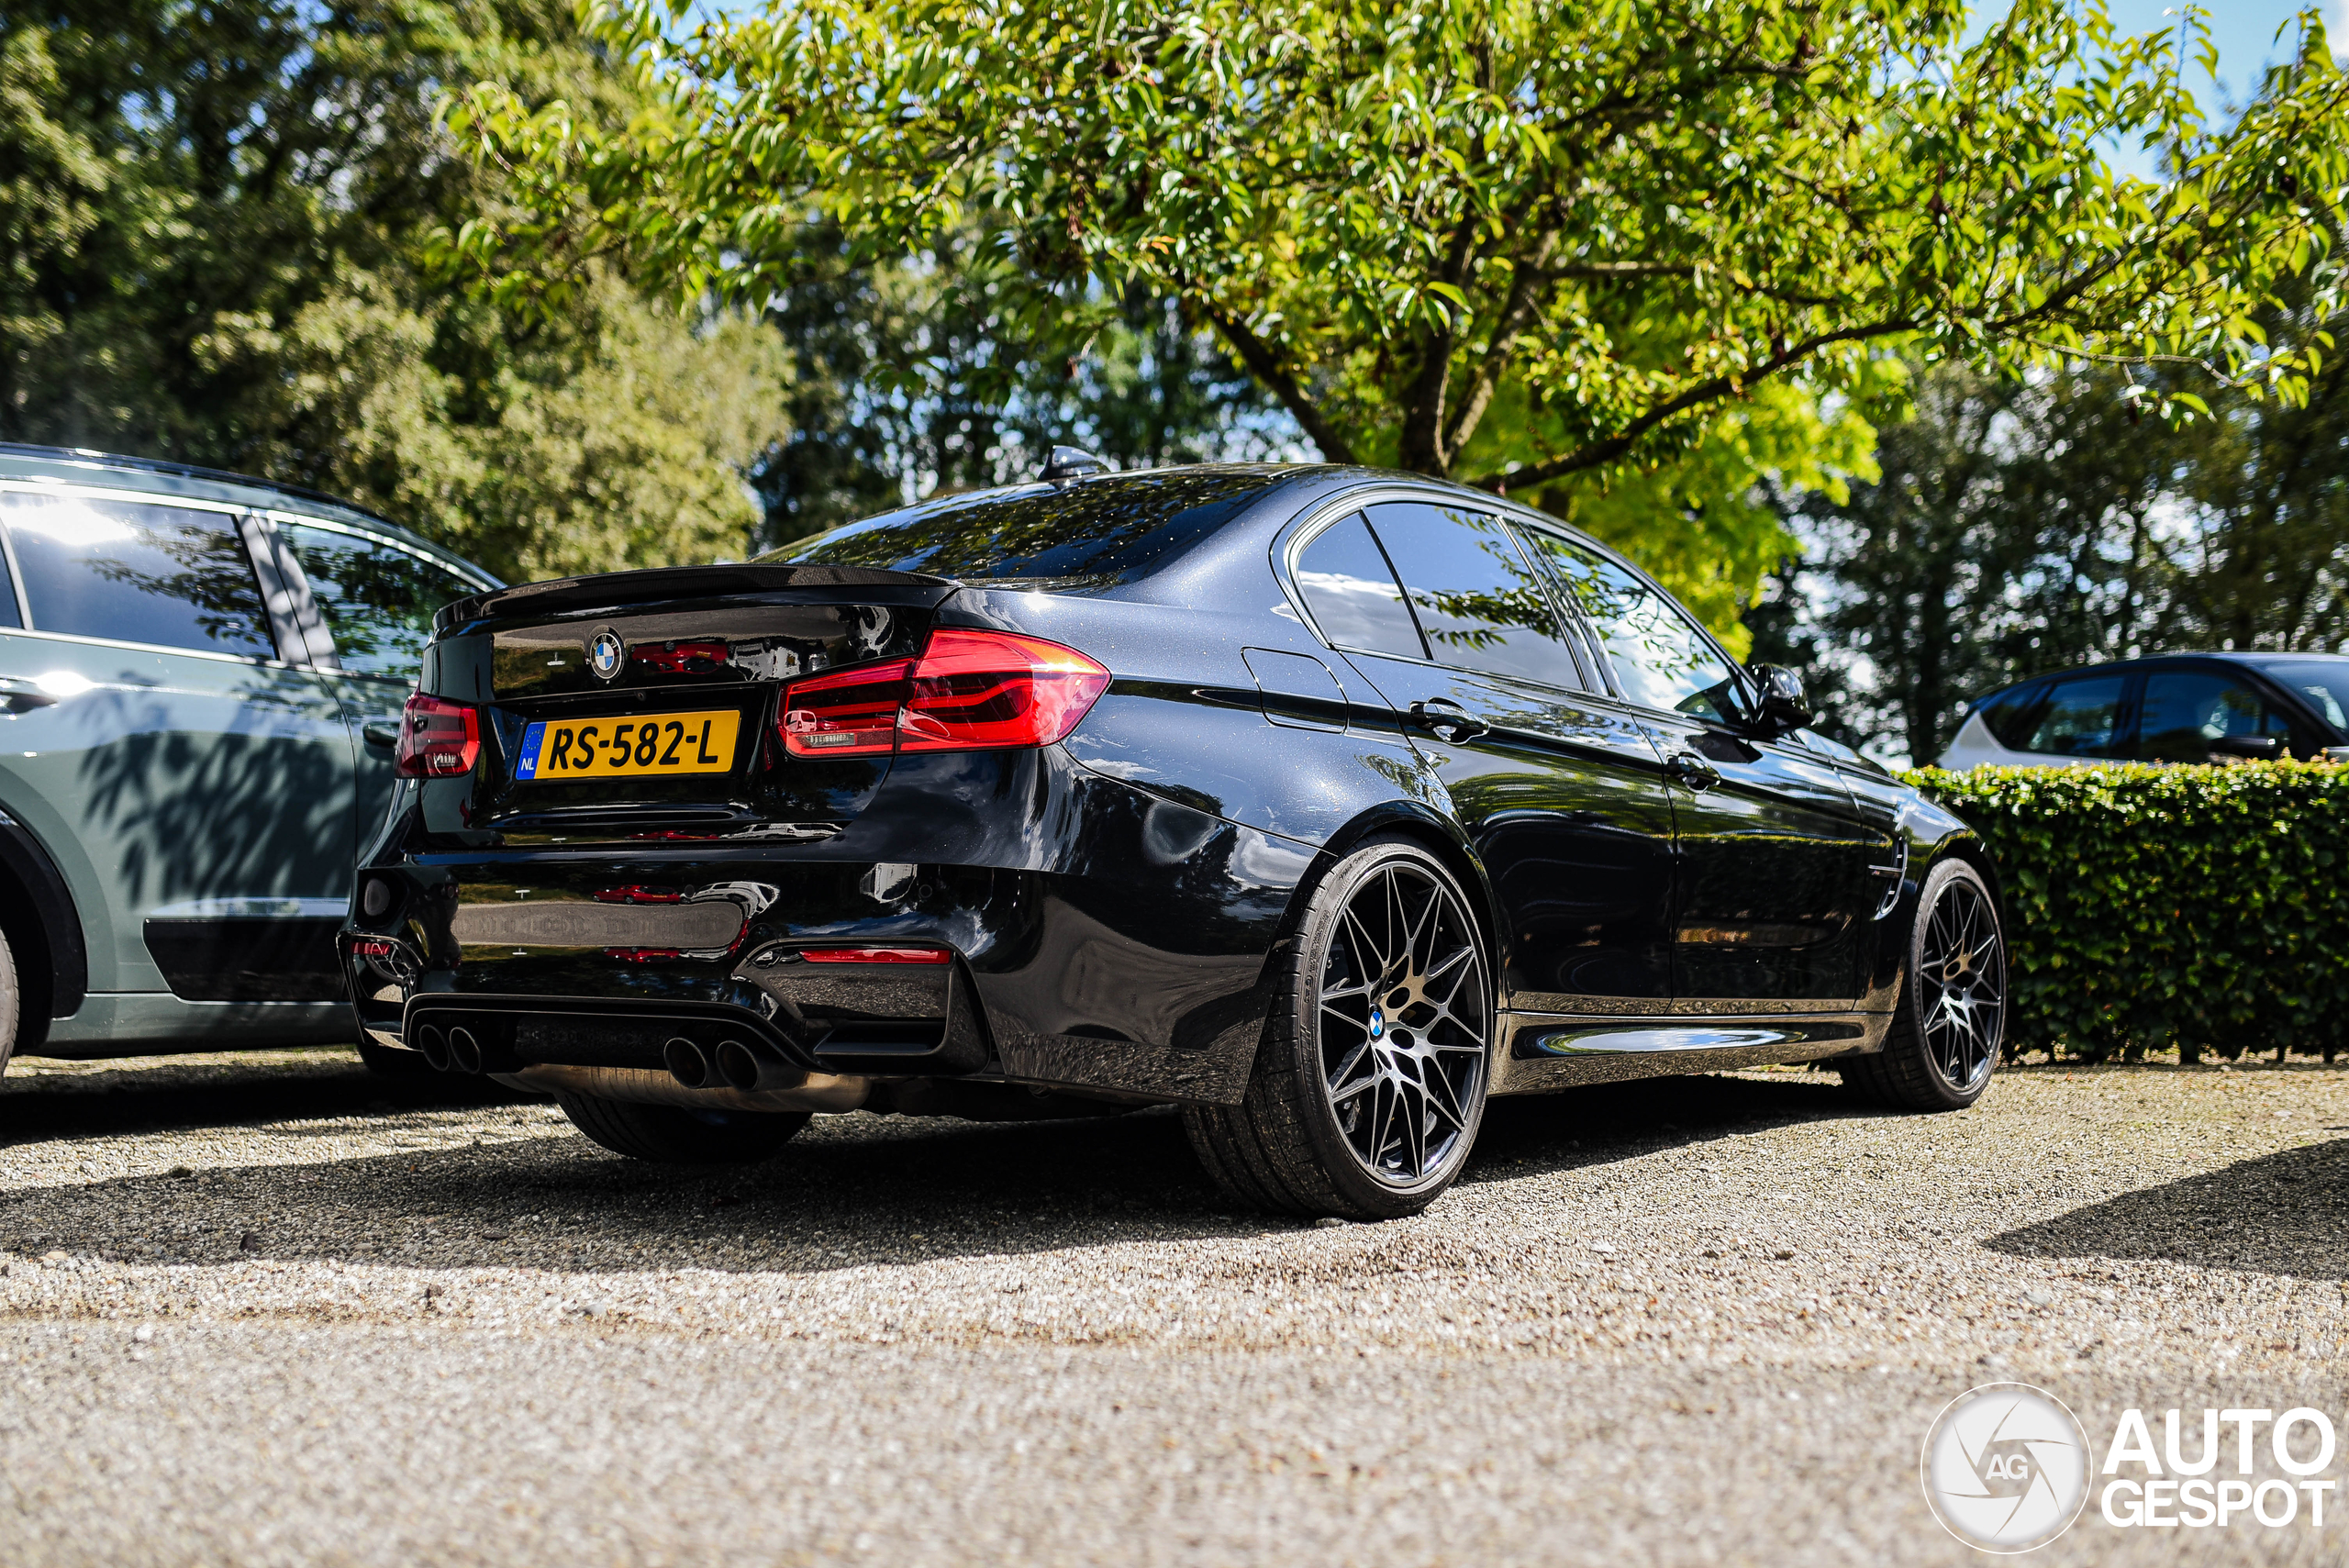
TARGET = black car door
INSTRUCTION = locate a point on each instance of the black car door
(1563, 799)
(1776, 877)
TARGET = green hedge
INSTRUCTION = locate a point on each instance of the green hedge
(2200, 907)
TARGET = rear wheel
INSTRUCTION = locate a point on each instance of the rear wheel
(671, 1135)
(1370, 1084)
(1952, 1021)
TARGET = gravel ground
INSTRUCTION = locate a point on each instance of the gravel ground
(266, 1308)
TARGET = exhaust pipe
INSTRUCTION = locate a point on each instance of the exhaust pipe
(435, 1047)
(743, 1066)
(689, 1064)
(464, 1051)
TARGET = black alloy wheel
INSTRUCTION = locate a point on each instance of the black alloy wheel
(1370, 1086)
(1951, 1026)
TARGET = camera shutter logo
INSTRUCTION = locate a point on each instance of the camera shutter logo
(2006, 1467)
(604, 655)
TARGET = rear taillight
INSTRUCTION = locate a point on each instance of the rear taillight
(850, 713)
(976, 689)
(438, 740)
(969, 690)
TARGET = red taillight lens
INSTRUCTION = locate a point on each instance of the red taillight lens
(969, 690)
(438, 739)
(876, 955)
(976, 689)
(853, 713)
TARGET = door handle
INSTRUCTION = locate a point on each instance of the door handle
(380, 732)
(1446, 718)
(1692, 773)
(25, 702)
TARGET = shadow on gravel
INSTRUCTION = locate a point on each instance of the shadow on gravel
(158, 1094)
(852, 1191)
(1606, 1122)
(2281, 1213)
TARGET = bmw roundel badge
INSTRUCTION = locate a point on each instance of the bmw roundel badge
(604, 655)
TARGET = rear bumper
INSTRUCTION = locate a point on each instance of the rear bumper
(1086, 956)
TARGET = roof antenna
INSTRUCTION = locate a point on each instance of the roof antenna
(1070, 462)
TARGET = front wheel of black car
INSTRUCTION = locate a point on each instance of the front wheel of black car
(1370, 1084)
(1952, 1021)
(672, 1135)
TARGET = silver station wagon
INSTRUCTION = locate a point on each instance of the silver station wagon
(201, 677)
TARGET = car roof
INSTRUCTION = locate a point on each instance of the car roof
(156, 476)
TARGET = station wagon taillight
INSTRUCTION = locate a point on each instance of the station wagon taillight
(968, 691)
(439, 738)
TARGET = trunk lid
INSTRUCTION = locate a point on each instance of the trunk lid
(641, 706)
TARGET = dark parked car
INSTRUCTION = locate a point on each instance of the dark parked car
(2185, 707)
(1322, 802)
(201, 679)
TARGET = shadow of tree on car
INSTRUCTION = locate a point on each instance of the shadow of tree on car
(849, 1191)
(2284, 1213)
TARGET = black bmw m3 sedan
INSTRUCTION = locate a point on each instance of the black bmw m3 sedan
(1323, 803)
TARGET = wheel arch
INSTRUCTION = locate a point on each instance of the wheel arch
(1440, 837)
(44, 928)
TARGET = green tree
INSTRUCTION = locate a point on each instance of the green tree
(1518, 243)
(2025, 524)
(913, 378)
(213, 219)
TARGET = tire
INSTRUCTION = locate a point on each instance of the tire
(671, 1135)
(12, 1002)
(1365, 1099)
(1950, 1024)
(389, 1062)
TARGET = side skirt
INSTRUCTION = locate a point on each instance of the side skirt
(1542, 1052)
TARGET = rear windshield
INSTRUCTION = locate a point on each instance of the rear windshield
(1109, 529)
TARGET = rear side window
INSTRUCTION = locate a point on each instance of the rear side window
(130, 572)
(2008, 715)
(1661, 660)
(1476, 595)
(1352, 592)
(377, 599)
(2075, 718)
(2185, 710)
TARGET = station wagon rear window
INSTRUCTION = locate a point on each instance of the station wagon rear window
(1110, 529)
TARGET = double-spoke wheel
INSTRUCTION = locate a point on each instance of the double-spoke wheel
(1369, 1087)
(1951, 1022)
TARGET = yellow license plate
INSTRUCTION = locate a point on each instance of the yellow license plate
(628, 747)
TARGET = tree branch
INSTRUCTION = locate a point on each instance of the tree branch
(1524, 298)
(1596, 454)
(1266, 367)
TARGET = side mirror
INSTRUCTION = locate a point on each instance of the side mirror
(1783, 704)
(2266, 746)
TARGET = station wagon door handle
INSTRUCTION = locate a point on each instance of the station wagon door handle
(22, 696)
(1692, 773)
(1446, 718)
(380, 732)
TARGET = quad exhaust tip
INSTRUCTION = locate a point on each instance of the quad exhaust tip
(464, 1051)
(689, 1064)
(435, 1047)
(738, 1064)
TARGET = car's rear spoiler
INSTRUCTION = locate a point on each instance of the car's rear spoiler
(615, 589)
